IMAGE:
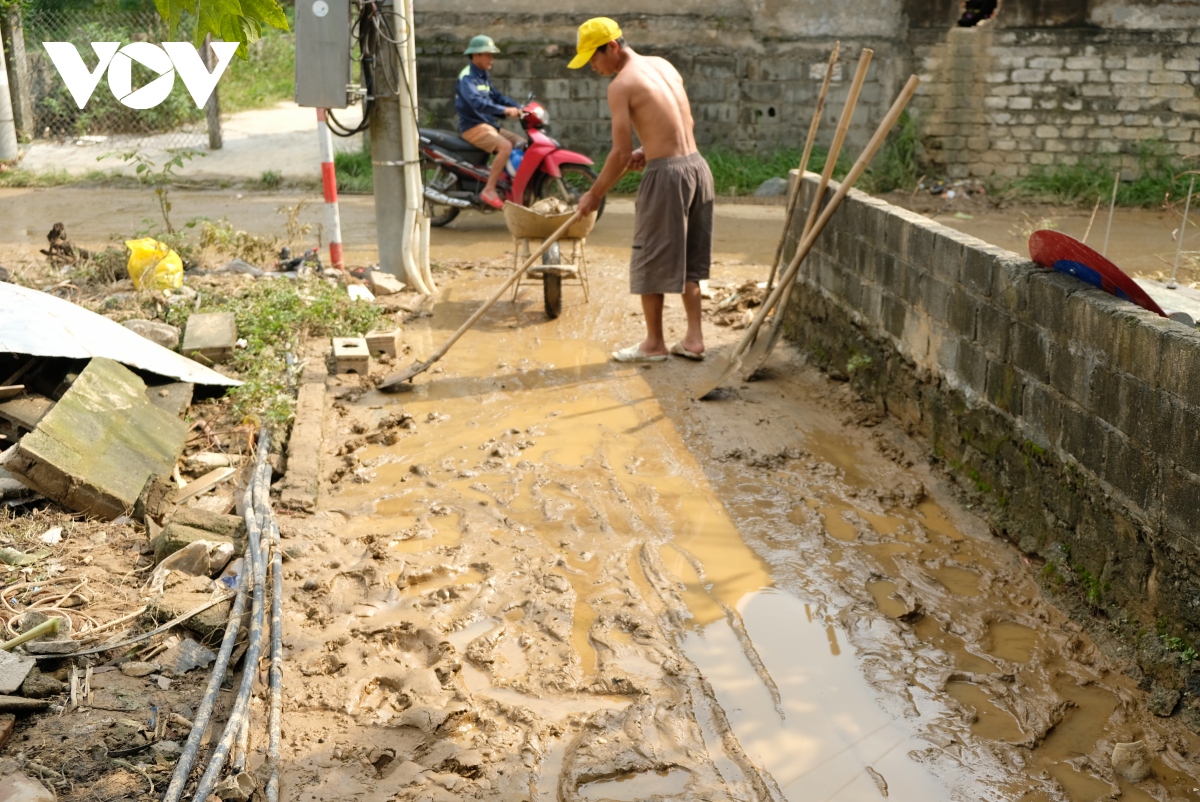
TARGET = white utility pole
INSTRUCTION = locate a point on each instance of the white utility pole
(8, 126)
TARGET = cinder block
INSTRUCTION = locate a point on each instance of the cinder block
(383, 342)
(1031, 350)
(993, 330)
(1139, 339)
(961, 312)
(1184, 445)
(1041, 414)
(971, 367)
(1181, 503)
(1179, 363)
(212, 335)
(1134, 472)
(350, 355)
(1082, 440)
(1005, 387)
(1071, 370)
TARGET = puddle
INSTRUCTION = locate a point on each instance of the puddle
(1012, 641)
(991, 722)
(636, 787)
(959, 581)
(832, 728)
(882, 590)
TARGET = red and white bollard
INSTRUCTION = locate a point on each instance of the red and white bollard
(329, 181)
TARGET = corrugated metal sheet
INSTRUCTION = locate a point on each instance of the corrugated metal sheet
(35, 323)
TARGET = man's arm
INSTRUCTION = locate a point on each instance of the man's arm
(480, 101)
(620, 156)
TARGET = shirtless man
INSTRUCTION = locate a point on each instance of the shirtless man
(672, 237)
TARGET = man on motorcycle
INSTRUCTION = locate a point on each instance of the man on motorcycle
(479, 105)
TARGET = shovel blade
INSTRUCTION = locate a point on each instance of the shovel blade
(729, 368)
(761, 348)
(394, 382)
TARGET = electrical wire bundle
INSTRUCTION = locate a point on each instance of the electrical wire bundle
(372, 31)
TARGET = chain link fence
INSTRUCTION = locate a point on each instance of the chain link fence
(175, 123)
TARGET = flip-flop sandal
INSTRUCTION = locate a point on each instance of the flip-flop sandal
(494, 203)
(634, 354)
(679, 350)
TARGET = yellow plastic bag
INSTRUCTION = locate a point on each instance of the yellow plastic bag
(154, 265)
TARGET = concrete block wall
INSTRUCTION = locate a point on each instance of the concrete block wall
(746, 95)
(1004, 102)
(1073, 416)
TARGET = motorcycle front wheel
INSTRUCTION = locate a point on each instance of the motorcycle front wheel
(433, 175)
(576, 179)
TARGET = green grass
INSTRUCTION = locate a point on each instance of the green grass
(272, 316)
(22, 178)
(1158, 175)
(353, 170)
(266, 78)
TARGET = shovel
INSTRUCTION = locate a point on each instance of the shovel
(393, 381)
(808, 146)
(736, 358)
(762, 347)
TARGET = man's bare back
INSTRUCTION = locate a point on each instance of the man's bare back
(658, 106)
(672, 250)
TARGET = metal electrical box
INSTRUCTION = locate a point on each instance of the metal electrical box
(323, 53)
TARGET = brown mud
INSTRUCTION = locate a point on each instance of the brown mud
(564, 579)
(570, 581)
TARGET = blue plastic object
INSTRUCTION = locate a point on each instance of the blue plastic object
(514, 161)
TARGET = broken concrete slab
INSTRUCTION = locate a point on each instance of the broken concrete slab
(20, 787)
(95, 451)
(173, 398)
(14, 668)
(11, 391)
(384, 283)
(190, 525)
(155, 331)
(39, 324)
(212, 335)
(26, 411)
(299, 486)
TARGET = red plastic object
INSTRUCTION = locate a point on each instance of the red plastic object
(1057, 251)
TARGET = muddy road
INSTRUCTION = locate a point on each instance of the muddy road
(544, 576)
(563, 579)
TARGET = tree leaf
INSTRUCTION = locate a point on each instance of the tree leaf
(265, 11)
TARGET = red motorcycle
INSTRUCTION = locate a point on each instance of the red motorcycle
(455, 171)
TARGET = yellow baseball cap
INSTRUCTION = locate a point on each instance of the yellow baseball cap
(593, 35)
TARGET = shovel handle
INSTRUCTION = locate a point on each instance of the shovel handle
(893, 116)
(421, 367)
(808, 146)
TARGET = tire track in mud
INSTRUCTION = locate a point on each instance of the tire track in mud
(537, 591)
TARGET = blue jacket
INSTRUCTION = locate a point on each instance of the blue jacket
(477, 101)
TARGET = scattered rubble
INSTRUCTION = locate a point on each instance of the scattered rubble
(211, 335)
(155, 331)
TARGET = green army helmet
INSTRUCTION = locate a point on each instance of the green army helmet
(481, 44)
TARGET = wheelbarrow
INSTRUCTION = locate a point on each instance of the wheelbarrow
(563, 262)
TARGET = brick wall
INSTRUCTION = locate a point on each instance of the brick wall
(1074, 417)
(995, 100)
(746, 96)
(1002, 102)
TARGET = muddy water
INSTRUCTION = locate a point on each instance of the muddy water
(568, 581)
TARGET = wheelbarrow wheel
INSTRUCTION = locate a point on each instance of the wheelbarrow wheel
(552, 291)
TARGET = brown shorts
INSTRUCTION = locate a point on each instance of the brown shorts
(488, 138)
(672, 233)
